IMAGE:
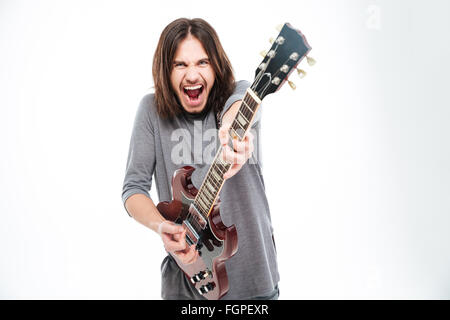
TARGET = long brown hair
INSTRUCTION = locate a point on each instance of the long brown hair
(167, 104)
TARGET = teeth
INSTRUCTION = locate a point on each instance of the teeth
(193, 88)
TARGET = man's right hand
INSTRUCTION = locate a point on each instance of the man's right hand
(173, 237)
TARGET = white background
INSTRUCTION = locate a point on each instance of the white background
(356, 160)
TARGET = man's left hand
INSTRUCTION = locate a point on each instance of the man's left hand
(242, 150)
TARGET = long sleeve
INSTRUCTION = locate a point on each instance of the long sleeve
(141, 155)
(238, 94)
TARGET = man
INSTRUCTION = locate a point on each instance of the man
(195, 92)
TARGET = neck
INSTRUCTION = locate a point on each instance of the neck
(196, 115)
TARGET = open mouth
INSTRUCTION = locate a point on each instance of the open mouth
(193, 92)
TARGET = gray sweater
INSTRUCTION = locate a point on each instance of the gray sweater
(158, 147)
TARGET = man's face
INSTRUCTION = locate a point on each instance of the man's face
(192, 75)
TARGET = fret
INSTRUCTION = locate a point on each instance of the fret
(203, 201)
(213, 179)
(244, 115)
(207, 185)
(207, 189)
(235, 133)
(200, 210)
(250, 108)
(212, 182)
(226, 166)
(242, 119)
(210, 188)
(239, 125)
(210, 185)
(208, 193)
(218, 166)
(199, 205)
(205, 198)
(252, 95)
(247, 106)
(216, 176)
(223, 165)
(218, 160)
(250, 103)
(203, 205)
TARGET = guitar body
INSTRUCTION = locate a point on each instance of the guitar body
(216, 242)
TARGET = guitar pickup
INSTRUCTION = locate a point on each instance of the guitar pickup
(192, 236)
(198, 216)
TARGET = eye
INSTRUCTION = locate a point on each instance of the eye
(178, 64)
(204, 62)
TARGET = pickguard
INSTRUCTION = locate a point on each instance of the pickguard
(207, 234)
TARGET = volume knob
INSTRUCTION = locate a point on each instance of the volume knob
(206, 288)
(200, 276)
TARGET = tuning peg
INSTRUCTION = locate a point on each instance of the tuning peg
(293, 86)
(263, 53)
(271, 40)
(310, 61)
(301, 73)
(279, 27)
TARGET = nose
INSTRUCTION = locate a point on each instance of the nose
(192, 74)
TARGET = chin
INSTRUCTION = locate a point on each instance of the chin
(198, 109)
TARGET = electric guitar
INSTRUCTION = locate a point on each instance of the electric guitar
(197, 210)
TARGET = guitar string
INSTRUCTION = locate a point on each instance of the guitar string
(210, 197)
(247, 112)
(205, 206)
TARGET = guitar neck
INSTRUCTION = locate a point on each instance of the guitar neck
(245, 115)
(213, 182)
(286, 52)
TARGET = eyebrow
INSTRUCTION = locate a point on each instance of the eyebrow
(180, 61)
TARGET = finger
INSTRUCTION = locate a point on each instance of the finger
(181, 254)
(175, 242)
(245, 146)
(172, 237)
(232, 157)
(189, 255)
(223, 134)
(169, 227)
(250, 146)
(173, 246)
(178, 236)
(232, 171)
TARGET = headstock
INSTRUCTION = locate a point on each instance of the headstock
(287, 51)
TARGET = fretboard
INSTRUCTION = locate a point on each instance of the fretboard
(213, 182)
(244, 117)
